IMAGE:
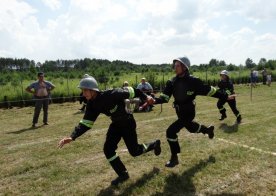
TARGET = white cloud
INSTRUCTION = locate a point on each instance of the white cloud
(257, 10)
(154, 8)
(139, 31)
(52, 4)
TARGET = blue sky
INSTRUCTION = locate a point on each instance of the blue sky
(139, 31)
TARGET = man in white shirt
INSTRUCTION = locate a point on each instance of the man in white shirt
(145, 87)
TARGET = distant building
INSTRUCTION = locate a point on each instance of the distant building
(13, 67)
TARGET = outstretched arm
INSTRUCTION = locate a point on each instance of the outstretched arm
(78, 131)
(166, 94)
(64, 141)
(84, 125)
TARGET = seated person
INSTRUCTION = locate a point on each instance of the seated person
(145, 87)
(125, 84)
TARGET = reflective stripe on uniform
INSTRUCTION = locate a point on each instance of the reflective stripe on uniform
(198, 130)
(228, 92)
(212, 91)
(131, 92)
(166, 97)
(220, 109)
(145, 147)
(238, 115)
(114, 109)
(172, 140)
(112, 158)
(87, 123)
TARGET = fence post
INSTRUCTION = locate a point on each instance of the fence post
(67, 86)
(22, 99)
(163, 83)
(206, 74)
(6, 102)
(239, 76)
(251, 90)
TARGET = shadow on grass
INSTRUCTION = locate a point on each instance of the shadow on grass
(24, 130)
(229, 128)
(182, 184)
(128, 191)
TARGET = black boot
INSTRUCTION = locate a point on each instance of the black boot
(120, 179)
(208, 130)
(121, 171)
(155, 146)
(223, 116)
(239, 118)
(173, 161)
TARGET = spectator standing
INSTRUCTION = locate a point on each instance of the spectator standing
(268, 78)
(41, 93)
(252, 78)
(256, 76)
(264, 74)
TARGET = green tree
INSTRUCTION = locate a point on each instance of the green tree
(213, 62)
(249, 63)
(262, 62)
(222, 63)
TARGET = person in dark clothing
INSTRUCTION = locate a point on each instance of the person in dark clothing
(184, 88)
(226, 86)
(112, 103)
(264, 74)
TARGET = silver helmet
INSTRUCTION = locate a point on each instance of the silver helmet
(89, 83)
(85, 76)
(184, 60)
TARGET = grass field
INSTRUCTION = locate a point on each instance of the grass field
(240, 160)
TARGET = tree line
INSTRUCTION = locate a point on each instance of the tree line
(14, 70)
(86, 64)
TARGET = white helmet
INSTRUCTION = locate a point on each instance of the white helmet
(89, 83)
(224, 72)
(184, 60)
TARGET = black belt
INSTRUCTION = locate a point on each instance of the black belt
(121, 117)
